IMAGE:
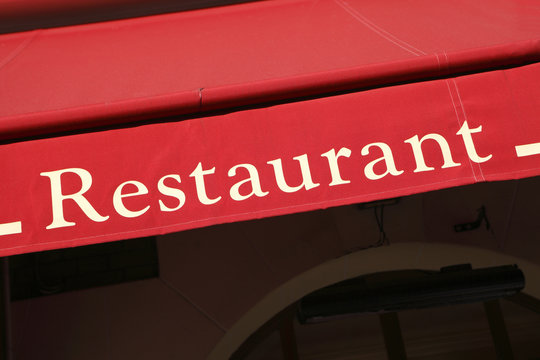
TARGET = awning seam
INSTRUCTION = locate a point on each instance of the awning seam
(19, 49)
(378, 30)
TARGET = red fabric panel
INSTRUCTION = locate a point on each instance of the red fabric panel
(505, 104)
(128, 70)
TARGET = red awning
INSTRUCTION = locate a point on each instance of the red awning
(402, 99)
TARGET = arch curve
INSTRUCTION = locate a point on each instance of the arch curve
(428, 256)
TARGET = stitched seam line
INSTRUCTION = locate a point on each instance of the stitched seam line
(459, 125)
(466, 119)
(378, 30)
(23, 45)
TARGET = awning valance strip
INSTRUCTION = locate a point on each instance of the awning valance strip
(305, 155)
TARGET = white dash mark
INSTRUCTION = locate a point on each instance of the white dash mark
(11, 228)
(528, 149)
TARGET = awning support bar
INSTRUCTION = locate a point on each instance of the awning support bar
(395, 348)
(288, 338)
(501, 341)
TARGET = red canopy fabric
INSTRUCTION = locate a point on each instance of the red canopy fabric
(122, 71)
(432, 95)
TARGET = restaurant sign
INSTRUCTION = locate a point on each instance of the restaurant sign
(279, 159)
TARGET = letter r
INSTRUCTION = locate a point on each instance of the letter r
(58, 198)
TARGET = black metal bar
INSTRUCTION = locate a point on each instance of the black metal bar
(395, 348)
(501, 341)
(288, 339)
(410, 289)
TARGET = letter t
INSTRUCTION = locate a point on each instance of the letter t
(198, 174)
(466, 132)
